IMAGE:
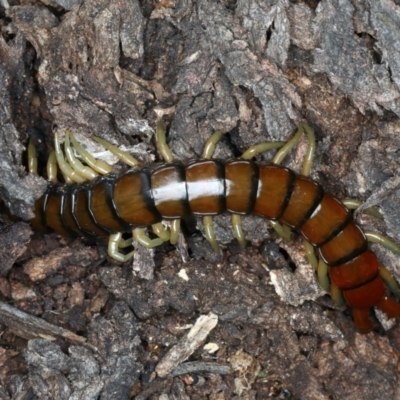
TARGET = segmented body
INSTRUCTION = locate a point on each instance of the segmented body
(138, 198)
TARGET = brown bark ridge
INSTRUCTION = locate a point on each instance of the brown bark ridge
(181, 323)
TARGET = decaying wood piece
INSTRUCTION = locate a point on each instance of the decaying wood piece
(29, 327)
(250, 68)
(187, 345)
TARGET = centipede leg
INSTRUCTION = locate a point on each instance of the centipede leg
(323, 278)
(141, 237)
(175, 228)
(260, 148)
(237, 230)
(98, 165)
(210, 234)
(32, 157)
(375, 237)
(52, 167)
(209, 147)
(86, 172)
(64, 166)
(310, 253)
(389, 280)
(160, 231)
(352, 204)
(162, 145)
(337, 295)
(282, 230)
(122, 155)
(116, 242)
(290, 144)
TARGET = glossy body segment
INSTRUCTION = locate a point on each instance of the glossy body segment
(305, 198)
(68, 216)
(133, 199)
(102, 207)
(275, 185)
(81, 212)
(241, 182)
(53, 212)
(360, 270)
(205, 185)
(345, 246)
(168, 188)
(327, 220)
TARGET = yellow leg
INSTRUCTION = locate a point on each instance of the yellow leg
(116, 242)
(122, 155)
(312, 259)
(337, 296)
(309, 158)
(175, 228)
(389, 280)
(260, 148)
(67, 179)
(77, 166)
(162, 145)
(237, 230)
(323, 278)
(160, 231)
(307, 165)
(63, 165)
(209, 147)
(32, 157)
(375, 237)
(210, 234)
(282, 230)
(52, 167)
(98, 165)
(140, 236)
(352, 204)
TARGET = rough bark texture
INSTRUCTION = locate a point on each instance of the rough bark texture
(253, 69)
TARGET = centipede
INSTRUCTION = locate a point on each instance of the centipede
(96, 201)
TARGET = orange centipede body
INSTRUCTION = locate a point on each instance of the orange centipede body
(144, 196)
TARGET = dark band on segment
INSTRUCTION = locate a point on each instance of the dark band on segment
(351, 256)
(54, 203)
(133, 199)
(337, 230)
(289, 191)
(275, 185)
(345, 246)
(81, 213)
(101, 205)
(317, 201)
(327, 221)
(67, 214)
(241, 185)
(306, 196)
